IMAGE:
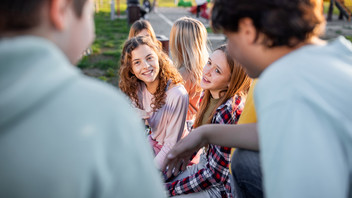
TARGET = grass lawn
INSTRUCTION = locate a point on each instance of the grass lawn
(103, 62)
(349, 38)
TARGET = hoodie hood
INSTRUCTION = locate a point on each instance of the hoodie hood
(32, 69)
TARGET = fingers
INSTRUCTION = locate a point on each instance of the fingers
(184, 165)
(170, 169)
(168, 160)
(179, 163)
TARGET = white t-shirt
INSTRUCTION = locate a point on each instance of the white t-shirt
(304, 108)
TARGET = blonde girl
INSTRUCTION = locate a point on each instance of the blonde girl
(189, 52)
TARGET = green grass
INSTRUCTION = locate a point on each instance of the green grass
(107, 47)
(209, 30)
(349, 38)
(104, 60)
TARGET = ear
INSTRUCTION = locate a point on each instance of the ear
(59, 9)
(247, 29)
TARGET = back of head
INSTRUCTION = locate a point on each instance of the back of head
(22, 15)
(282, 22)
(188, 46)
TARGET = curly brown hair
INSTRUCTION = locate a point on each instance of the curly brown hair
(130, 84)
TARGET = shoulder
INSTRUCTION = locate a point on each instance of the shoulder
(233, 103)
(96, 93)
(177, 90)
(176, 93)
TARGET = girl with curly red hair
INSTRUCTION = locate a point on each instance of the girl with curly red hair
(155, 87)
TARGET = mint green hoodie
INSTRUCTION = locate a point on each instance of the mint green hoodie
(65, 135)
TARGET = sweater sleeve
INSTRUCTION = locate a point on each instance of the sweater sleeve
(177, 110)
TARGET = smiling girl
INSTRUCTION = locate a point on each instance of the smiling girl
(153, 84)
(225, 86)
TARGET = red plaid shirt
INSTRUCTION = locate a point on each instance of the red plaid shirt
(216, 174)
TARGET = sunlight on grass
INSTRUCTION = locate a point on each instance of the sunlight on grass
(107, 47)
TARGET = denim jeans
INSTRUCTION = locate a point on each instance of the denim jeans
(247, 176)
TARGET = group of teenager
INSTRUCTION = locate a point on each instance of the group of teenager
(63, 134)
(174, 95)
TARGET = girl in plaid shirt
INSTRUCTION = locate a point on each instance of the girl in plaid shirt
(225, 86)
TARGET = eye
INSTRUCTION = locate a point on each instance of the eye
(209, 62)
(150, 58)
(136, 63)
(217, 71)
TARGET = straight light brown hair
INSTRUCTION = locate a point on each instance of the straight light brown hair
(239, 85)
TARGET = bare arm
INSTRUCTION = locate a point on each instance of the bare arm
(240, 136)
(243, 136)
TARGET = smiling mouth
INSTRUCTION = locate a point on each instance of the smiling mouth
(206, 80)
(149, 72)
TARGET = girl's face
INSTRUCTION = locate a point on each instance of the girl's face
(144, 32)
(216, 74)
(145, 65)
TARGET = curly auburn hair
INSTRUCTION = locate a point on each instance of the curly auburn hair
(130, 84)
(283, 22)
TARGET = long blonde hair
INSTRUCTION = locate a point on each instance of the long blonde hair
(129, 83)
(239, 85)
(188, 47)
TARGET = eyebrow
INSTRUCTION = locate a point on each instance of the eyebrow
(148, 55)
(138, 58)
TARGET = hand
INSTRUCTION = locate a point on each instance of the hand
(179, 156)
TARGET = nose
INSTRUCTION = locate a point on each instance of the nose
(145, 64)
(206, 70)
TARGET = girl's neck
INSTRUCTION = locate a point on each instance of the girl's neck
(152, 86)
(217, 94)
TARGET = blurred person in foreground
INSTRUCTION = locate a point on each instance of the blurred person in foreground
(302, 98)
(63, 134)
